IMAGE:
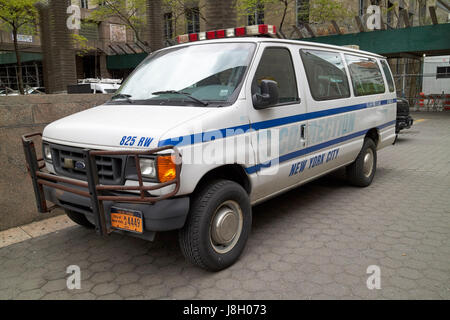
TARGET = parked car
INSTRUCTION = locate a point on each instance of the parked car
(94, 85)
(202, 131)
(404, 119)
(102, 85)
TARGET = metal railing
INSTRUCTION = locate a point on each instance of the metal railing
(423, 91)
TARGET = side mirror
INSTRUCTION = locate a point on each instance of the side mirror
(268, 96)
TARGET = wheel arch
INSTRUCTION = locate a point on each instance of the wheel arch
(233, 172)
(373, 134)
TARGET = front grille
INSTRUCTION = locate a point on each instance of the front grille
(68, 161)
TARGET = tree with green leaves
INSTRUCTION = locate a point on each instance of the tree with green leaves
(130, 12)
(81, 44)
(18, 16)
(323, 11)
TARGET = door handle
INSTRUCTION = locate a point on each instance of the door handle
(303, 134)
(303, 131)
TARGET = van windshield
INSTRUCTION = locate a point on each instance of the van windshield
(196, 75)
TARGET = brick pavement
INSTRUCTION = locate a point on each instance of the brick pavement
(314, 242)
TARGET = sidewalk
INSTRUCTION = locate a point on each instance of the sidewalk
(34, 229)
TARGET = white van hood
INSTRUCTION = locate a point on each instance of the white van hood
(105, 126)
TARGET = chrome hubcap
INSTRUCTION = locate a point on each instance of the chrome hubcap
(226, 226)
(368, 163)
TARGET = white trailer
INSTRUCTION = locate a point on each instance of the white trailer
(436, 75)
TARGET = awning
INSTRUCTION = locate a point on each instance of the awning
(8, 57)
(414, 41)
(125, 61)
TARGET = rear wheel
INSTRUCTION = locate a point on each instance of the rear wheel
(218, 225)
(79, 218)
(361, 172)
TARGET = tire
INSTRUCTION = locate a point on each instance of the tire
(80, 219)
(361, 172)
(226, 205)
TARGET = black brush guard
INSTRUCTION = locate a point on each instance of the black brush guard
(96, 191)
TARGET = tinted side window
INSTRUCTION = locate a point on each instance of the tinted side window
(387, 73)
(365, 74)
(276, 64)
(326, 74)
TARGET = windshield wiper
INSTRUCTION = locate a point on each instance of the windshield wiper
(181, 93)
(122, 96)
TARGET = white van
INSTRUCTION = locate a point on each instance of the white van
(202, 131)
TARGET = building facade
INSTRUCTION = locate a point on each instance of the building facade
(53, 49)
(97, 49)
(202, 15)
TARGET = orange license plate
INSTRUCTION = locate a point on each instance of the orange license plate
(125, 219)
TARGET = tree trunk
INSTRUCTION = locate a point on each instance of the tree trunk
(136, 34)
(284, 16)
(19, 63)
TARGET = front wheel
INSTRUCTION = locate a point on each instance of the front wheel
(361, 172)
(218, 225)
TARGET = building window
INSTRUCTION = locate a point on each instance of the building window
(422, 12)
(390, 13)
(302, 7)
(361, 8)
(193, 20)
(84, 4)
(257, 15)
(89, 30)
(442, 72)
(168, 29)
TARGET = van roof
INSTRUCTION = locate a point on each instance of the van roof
(276, 40)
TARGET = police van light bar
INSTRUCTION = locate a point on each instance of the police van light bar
(261, 29)
(193, 37)
(255, 30)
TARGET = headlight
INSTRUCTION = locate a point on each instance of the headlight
(47, 153)
(148, 168)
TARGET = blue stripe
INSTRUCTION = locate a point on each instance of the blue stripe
(204, 136)
(231, 131)
(306, 116)
(311, 149)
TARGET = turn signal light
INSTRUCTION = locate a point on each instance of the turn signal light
(167, 169)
